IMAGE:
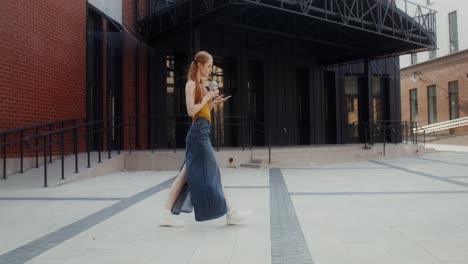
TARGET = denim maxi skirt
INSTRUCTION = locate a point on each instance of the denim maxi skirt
(203, 174)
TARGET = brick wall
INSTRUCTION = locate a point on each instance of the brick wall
(43, 65)
(438, 72)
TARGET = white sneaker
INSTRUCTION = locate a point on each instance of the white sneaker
(235, 217)
(166, 218)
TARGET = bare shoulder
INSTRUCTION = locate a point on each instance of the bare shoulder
(190, 84)
(190, 87)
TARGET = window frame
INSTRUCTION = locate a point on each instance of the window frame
(434, 120)
(453, 36)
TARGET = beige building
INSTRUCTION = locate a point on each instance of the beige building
(435, 90)
(434, 84)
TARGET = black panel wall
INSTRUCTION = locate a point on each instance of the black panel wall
(304, 102)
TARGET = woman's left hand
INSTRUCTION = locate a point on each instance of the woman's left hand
(217, 100)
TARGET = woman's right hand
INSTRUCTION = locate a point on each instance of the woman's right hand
(212, 93)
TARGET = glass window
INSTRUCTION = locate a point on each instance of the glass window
(453, 31)
(414, 105)
(432, 104)
(218, 76)
(170, 74)
(377, 98)
(414, 58)
(351, 94)
(453, 94)
(432, 53)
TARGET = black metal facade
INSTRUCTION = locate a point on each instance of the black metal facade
(286, 69)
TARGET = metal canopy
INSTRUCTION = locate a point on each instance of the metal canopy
(348, 29)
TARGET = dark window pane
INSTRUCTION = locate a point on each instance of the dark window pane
(432, 104)
(414, 105)
(352, 102)
(454, 106)
(453, 32)
(377, 98)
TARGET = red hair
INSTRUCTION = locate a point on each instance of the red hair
(201, 57)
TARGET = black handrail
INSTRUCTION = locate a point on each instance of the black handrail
(48, 142)
(398, 131)
(21, 131)
(242, 122)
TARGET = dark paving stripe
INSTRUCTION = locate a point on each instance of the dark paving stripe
(444, 162)
(377, 193)
(247, 187)
(58, 199)
(288, 245)
(454, 177)
(337, 168)
(251, 166)
(35, 248)
(422, 174)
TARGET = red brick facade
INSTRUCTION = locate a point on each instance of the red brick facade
(43, 65)
(438, 72)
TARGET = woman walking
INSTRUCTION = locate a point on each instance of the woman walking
(201, 170)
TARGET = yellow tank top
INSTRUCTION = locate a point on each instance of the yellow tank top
(204, 112)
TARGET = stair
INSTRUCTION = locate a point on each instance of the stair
(328, 154)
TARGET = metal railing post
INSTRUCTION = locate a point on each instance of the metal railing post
(269, 145)
(88, 154)
(21, 152)
(62, 154)
(45, 160)
(99, 133)
(152, 122)
(75, 147)
(37, 147)
(129, 137)
(242, 132)
(109, 123)
(50, 141)
(118, 136)
(109, 142)
(4, 156)
(250, 135)
(365, 136)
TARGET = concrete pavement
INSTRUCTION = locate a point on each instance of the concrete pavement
(409, 210)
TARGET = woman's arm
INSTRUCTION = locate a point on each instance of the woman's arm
(193, 108)
(216, 101)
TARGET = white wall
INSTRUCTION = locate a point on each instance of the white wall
(112, 8)
(443, 8)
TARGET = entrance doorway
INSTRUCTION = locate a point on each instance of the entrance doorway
(256, 105)
(303, 106)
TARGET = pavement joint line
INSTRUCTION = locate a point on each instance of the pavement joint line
(247, 187)
(445, 162)
(337, 168)
(38, 246)
(376, 193)
(427, 175)
(59, 199)
(288, 245)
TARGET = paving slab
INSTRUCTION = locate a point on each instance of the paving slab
(409, 210)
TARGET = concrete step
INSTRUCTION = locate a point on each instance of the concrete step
(34, 177)
(331, 154)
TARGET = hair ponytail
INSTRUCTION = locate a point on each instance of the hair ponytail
(201, 57)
